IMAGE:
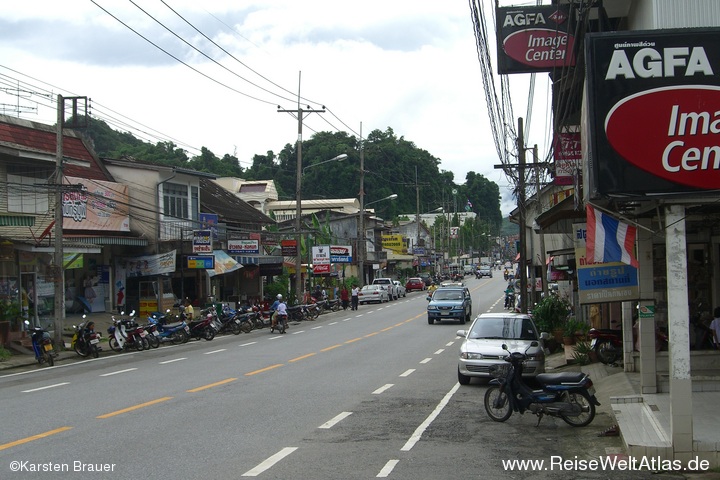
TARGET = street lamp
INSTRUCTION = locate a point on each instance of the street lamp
(298, 223)
(361, 234)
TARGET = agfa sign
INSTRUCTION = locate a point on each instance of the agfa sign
(653, 103)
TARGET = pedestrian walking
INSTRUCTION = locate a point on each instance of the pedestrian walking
(354, 297)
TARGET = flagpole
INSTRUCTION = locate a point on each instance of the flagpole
(625, 219)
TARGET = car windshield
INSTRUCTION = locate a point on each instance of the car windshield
(448, 295)
(504, 328)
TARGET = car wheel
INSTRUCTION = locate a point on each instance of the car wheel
(463, 379)
(430, 321)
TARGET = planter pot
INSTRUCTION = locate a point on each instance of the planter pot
(569, 340)
(558, 335)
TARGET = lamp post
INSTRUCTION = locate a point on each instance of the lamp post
(298, 222)
(361, 235)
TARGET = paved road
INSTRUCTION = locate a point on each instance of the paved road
(363, 394)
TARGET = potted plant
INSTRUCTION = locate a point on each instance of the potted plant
(583, 353)
(550, 314)
(570, 329)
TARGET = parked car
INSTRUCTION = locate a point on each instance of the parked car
(450, 303)
(391, 287)
(373, 293)
(485, 271)
(400, 289)
(415, 283)
(483, 341)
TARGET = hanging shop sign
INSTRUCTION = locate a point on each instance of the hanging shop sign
(202, 241)
(652, 118)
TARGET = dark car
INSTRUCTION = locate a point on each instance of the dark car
(415, 283)
(450, 303)
(426, 278)
(485, 271)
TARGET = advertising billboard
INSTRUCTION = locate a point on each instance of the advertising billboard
(653, 99)
(98, 205)
(534, 39)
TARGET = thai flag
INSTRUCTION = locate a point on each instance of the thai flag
(608, 239)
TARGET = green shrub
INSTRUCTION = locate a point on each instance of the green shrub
(550, 313)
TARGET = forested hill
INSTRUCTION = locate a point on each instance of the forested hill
(392, 165)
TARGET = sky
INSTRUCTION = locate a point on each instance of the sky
(408, 65)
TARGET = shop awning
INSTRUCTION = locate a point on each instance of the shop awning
(17, 221)
(224, 263)
(109, 240)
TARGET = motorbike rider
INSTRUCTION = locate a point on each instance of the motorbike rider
(274, 309)
(509, 294)
(280, 312)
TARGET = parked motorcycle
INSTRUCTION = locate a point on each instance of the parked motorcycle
(568, 395)
(125, 334)
(204, 326)
(42, 345)
(177, 332)
(85, 341)
(607, 344)
(228, 321)
(509, 300)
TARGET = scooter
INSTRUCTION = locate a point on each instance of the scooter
(509, 300)
(607, 344)
(568, 395)
(85, 342)
(42, 345)
(177, 332)
(204, 326)
(126, 333)
(281, 324)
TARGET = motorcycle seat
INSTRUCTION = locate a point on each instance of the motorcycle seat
(559, 378)
(609, 330)
(170, 326)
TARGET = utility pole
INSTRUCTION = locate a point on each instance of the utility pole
(301, 113)
(417, 213)
(59, 277)
(543, 260)
(58, 258)
(361, 221)
(521, 204)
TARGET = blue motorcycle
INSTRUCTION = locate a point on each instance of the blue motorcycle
(568, 395)
(42, 345)
(177, 332)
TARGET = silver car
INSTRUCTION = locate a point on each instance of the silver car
(373, 293)
(483, 341)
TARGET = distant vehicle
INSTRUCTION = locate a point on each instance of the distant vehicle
(415, 283)
(485, 271)
(400, 289)
(389, 285)
(373, 293)
(426, 278)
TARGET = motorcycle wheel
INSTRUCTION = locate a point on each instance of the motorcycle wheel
(582, 400)
(49, 359)
(95, 352)
(114, 345)
(236, 328)
(80, 350)
(139, 344)
(153, 341)
(246, 327)
(607, 353)
(497, 404)
(209, 333)
(259, 323)
(179, 336)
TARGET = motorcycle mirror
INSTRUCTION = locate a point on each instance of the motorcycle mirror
(461, 333)
(505, 347)
(545, 336)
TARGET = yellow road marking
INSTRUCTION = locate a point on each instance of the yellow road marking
(271, 367)
(371, 334)
(301, 357)
(353, 340)
(130, 409)
(34, 437)
(388, 328)
(330, 348)
(221, 382)
(399, 324)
